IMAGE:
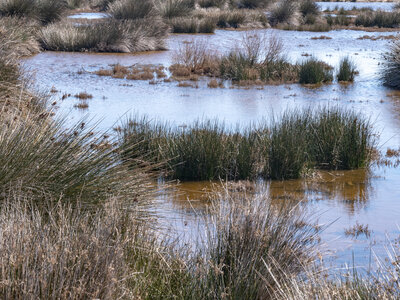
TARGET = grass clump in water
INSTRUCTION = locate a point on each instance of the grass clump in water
(347, 70)
(341, 139)
(132, 9)
(106, 36)
(175, 8)
(381, 19)
(283, 149)
(260, 58)
(313, 71)
(282, 12)
(192, 25)
(309, 7)
(45, 11)
(390, 70)
(243, 233)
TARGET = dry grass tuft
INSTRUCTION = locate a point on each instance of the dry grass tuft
(83, 96)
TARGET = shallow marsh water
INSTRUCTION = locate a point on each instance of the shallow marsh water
(367, 197)
(386, 6)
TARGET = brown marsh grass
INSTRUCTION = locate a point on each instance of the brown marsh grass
(83, 96)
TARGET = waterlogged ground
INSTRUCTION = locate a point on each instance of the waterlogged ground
(342, 198)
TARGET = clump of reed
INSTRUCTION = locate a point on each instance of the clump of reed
(259, 58)
(231, 19)
(352, 283)
(251, 4)
(211, 3)
(347, 70)
(288, 140)
(284, 149)
(308, 7)
(106, 36)
(46, 11)
(192, 25)
(64, 163)
(175, 8)
(313, 71)
(243, 232)
(357, 230)
(390, 68)
(282, 12)
(309, 11)
(194, 57)
(69, 251)
(18, 37)
(132, 9)
(341, 139)
(378, 18)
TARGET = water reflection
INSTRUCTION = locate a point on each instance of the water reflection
(352, 189)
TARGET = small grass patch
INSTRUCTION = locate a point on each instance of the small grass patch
(357, 230)
(347, 70)
(313, 71)
(83, 96)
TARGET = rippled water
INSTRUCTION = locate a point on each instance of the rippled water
(369, 197)
(386, 6)
(89, 15)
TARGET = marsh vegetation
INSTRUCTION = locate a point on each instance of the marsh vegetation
(79, 205)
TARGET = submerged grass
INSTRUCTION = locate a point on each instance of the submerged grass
(286, 148)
